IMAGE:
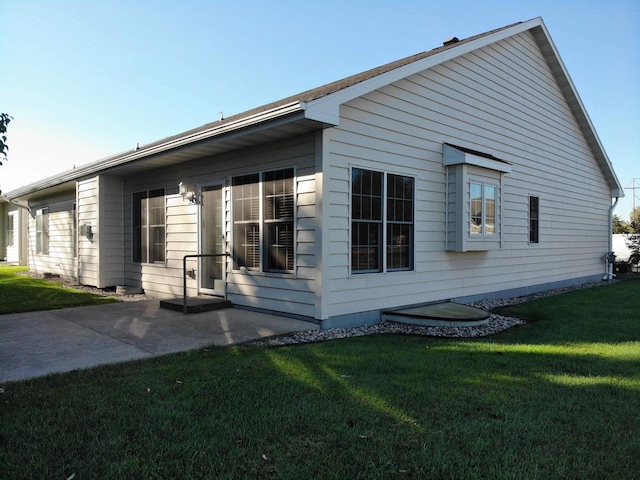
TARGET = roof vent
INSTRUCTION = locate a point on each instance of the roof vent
(450, 41)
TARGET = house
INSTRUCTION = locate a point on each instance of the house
(463, 172)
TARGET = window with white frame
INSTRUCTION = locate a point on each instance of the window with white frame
(382, 221)
(149, 226)
(74, 229)
(264, 221)
(42, 231)
(483, 208)
(278, 219)
(473, 195)
(10, 230)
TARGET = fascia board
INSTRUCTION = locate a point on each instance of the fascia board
(470, 159)
(110, 162)
(555, 60)
(326, 109)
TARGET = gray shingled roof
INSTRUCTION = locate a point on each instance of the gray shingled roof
(333, 87)
(213, 129)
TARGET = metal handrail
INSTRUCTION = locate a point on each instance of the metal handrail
(184, 274)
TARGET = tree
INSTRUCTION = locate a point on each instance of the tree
(635, 214)
(633, 242)
(5, 118)
(620, 226)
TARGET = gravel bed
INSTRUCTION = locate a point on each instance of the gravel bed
(105, 292)
(497, 323)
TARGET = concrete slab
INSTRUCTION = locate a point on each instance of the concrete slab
(39, 343)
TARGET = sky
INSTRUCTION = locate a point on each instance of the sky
(87, 79)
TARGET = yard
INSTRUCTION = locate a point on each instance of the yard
(20, 293)
(556, 398)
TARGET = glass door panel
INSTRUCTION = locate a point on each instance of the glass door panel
(212, 240)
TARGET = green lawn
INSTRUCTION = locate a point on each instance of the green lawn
(556, 398)
(19, 293)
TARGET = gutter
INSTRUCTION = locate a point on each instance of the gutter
(157, 148)
(16, 204)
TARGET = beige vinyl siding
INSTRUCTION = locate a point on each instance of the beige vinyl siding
(291, 293)
(454, 198)
(87, 211)
(60, 259)
(111, 232)
(501, 100)
(163, 279)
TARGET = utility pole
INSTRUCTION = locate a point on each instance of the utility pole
(634, 196)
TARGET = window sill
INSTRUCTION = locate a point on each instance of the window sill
(259, 273)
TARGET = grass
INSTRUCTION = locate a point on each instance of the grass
(19, 293)
(556, 398)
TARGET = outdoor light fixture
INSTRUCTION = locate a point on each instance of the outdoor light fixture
(188, 192)
(85, 231)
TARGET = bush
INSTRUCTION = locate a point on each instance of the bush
(623, 267)
(633, 242)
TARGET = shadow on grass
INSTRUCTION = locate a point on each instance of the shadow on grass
(357, 408)
(606, 314)
(548, 400)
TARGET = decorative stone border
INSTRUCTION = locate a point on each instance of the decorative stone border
(497, 323)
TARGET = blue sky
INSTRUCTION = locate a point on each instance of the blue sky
(87, 79)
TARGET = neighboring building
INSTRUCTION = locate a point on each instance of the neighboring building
(463, 172)
(620, 247)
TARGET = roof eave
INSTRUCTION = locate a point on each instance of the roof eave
(327, 108)
(561, 74)
(157, 148)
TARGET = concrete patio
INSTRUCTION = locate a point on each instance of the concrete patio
(39, 343)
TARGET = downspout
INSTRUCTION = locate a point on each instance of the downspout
(609, 258)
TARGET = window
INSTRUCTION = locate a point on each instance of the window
(483, 209)
(74, 230)
(473, 196)
(263, 221)
(149, 226)
(42, 231)
(246, 220)
(399, 222)
(366, 220)
(534, 219)
(381, 214)
(10, 230)
(278, 218)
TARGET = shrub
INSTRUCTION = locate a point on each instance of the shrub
(623, 267)
(633, 242)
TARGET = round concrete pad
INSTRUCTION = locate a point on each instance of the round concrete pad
(446, 311)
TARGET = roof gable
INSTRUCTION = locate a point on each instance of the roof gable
(319, 107)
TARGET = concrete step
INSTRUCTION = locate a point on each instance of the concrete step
(195, 304)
